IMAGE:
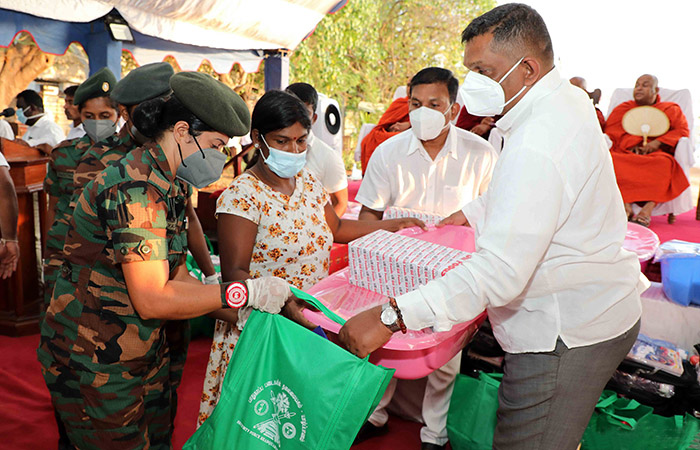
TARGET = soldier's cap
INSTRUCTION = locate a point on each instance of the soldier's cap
(100, 84)
(212, 102)
(143, 83)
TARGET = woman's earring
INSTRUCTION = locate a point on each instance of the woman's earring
(257, 146)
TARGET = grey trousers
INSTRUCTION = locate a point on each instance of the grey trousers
(546, 399)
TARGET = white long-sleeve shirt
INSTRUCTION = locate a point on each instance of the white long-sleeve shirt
(549, 260)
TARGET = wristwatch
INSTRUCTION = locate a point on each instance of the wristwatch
(391, 317)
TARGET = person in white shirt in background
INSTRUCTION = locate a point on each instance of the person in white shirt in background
(72, 113)
(322, 160)
(432, 167)
(6, 130)
(43, 133)
(9, 247)
(561, 292)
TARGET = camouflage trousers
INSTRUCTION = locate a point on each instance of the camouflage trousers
(107, 408)
(51, 271)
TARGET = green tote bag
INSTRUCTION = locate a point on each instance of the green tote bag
(288, 388)
(471, 419)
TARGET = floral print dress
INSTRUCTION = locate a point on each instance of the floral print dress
(293, 242)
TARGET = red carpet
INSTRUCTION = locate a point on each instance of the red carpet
(26, 416)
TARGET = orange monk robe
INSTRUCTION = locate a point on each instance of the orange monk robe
(655, 177)
(397, 112)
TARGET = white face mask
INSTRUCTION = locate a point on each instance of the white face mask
(427, 123)
(485, 97)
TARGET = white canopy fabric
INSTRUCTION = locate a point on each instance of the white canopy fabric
(222, 24)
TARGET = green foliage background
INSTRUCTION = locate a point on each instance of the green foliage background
(370, 47)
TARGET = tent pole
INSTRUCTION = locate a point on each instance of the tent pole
(276, 69)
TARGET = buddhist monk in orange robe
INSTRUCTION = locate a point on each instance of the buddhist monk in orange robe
(647, 174)
(393, 121)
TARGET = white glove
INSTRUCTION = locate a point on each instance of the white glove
(267, 294)
(212, 279)
(243, 315)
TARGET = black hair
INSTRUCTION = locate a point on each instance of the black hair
(155, 116)
(431, 75)
(114, 105)
(70, 90)
(32, 98)
(305, 92)
(277, 110)
(514, 26)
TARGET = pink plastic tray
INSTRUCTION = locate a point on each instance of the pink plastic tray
(416, 353)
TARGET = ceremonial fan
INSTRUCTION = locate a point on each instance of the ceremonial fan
(645, 121)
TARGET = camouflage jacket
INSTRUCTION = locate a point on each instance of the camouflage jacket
(59, 183)
(132, 211)
(98, 158)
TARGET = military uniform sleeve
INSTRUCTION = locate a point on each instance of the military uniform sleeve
(139, 222)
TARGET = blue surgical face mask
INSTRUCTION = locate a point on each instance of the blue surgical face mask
(283, 164)
(20, 115)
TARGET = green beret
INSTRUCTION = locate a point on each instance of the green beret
(143, 83)
(212, 102)
(100, 84)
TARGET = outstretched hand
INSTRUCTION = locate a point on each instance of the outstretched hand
(294, 310)
(405, 222)
(364, 333)
(457, 218)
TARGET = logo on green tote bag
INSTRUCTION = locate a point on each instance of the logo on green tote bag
(279, 412)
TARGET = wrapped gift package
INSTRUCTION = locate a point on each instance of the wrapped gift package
(395, 212)
(416, 353)
(394, 264)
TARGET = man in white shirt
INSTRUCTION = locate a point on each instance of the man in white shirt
(561, 293)
(43, 132)
(9, 248)
(432, 167)
(72, 113)
(321, 159)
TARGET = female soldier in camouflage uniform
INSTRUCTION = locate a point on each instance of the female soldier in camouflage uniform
(103, 342)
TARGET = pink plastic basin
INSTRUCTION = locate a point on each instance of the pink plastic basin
(416, 353)
(642, 241)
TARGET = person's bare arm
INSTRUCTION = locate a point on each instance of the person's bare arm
(345, 230)
(236, 242)
(9, 252)
(339, 200)
(196, 243)
(370, 214)
(156, 296)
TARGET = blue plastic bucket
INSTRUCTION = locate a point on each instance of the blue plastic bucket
(680, 275)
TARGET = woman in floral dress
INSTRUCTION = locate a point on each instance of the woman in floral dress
(276, 219)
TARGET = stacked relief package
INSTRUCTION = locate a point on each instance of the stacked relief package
(395, 212)
(392, 264)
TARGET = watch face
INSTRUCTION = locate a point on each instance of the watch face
(389, 316)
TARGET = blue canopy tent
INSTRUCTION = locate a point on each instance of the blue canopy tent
(184, 30)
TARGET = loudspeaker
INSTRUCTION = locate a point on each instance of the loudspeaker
(329, 124)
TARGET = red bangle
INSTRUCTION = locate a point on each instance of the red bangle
(399, 320)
